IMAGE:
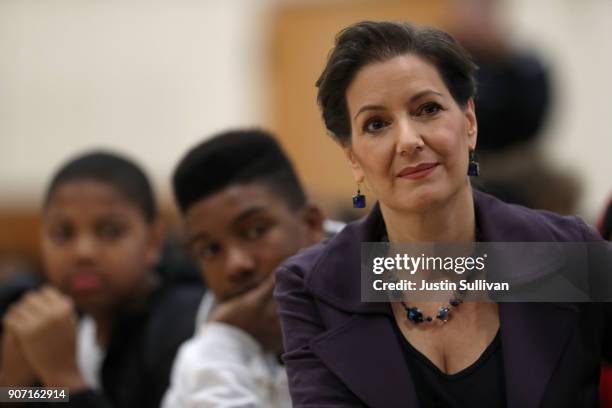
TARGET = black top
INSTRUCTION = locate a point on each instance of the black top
(479, 385)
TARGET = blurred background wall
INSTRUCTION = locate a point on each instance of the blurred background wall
(151, 78)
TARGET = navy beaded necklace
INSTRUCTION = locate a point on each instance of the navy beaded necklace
(415, 315)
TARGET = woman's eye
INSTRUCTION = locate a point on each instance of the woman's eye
(430, 109)
(375, 125)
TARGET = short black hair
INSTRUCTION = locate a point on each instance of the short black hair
(232, 158)
(367, 42)
(113, 169)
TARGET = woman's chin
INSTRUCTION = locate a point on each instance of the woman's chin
(418, 203)
(421, 200)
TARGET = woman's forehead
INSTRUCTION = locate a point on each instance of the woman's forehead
(407, 73)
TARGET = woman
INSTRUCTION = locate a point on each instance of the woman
(399, 101)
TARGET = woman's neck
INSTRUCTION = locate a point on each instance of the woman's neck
(451, 221)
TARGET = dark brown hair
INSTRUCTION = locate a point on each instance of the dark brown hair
(369, 41)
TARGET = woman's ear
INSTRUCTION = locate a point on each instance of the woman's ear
(354, 163)
(472, 124)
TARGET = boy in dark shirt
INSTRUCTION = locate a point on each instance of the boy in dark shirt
(101, 240)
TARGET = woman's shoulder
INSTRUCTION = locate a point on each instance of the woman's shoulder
(335, 246)
(512, 222)
(325, 268)
(304, 261)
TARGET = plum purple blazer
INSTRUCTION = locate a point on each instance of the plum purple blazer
(341, 352)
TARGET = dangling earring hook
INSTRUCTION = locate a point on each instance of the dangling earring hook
(359, 200)
(473, 167)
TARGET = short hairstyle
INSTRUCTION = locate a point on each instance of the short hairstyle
(367, 42)
(117, 171)
(232, 158)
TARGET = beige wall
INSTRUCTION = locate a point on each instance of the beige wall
(148, 77)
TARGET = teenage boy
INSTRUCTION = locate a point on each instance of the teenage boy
(245, 212)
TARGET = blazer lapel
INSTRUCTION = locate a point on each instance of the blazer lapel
(533, 338)
(367, 344)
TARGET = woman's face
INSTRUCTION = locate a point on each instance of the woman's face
(97, 247)
(410, 140)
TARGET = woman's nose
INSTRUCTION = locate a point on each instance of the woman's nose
(408, 138)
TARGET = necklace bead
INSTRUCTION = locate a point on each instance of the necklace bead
(415, 315)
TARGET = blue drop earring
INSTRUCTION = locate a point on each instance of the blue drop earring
(473, 167)
(359, 200)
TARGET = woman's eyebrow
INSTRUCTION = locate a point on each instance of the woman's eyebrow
(423, 93)
(369, 108)
(413, 98)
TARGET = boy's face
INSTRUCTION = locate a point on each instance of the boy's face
(239, 236)
(97, 247)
